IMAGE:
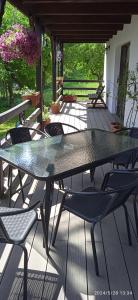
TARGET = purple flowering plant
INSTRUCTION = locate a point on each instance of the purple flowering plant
(19, 43)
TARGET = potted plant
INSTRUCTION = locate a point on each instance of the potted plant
(132, 92)
(31, 95)
(115, 126)
(69, 98)
(45, 117)
(55, 107)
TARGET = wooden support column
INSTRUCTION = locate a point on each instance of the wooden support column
(39, 69)
(53, 41)
(61, 64)
(2, 6)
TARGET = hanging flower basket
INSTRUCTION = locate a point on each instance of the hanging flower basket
(19, 43)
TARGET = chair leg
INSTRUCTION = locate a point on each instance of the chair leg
(57, 224)
(135, 214)
(20, 180)
(10, 184)
(25, 272)
(127, 225)
(61, 184)
(92, 171)
(94, 251)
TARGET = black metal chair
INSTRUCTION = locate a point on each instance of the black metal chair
(130, 157)
(57, 128)
(116, 178)
(93, 205)
(15, 225)
(16, 136)
(97, 98)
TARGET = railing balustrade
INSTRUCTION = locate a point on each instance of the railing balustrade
(18, 110)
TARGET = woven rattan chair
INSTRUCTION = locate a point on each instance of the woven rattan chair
(16, 136)
(116, 178)
(130, 157)
(57, 128)
(93, 205)
(15, 225)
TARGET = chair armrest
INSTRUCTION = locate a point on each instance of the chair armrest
(18, 211)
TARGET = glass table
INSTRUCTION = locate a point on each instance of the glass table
(58, 157)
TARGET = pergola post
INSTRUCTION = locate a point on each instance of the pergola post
(61, 63)
(39, 70)
(2, 6)
(53, 42)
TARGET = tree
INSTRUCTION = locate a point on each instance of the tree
(16, 72)
(85, 60)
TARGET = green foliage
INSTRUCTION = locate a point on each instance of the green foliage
(15, 73)
(45, 113)
(84, 61)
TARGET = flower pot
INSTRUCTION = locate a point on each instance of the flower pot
(69, 98)
(35, 98)
(59, 80)
(55, 108)
(115, 126)
(45, 122)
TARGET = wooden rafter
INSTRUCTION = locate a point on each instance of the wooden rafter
(54, 19)
(59, 9)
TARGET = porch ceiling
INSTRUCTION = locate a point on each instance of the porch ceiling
(80, 20)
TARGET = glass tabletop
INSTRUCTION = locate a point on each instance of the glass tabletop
(65, 155)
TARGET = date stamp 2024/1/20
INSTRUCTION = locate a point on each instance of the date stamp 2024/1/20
(113, 293)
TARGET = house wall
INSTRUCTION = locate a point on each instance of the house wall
(112, 66)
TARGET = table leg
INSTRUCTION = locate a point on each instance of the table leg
(45, 214)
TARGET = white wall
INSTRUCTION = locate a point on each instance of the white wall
(128, 34)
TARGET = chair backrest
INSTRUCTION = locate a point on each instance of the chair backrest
(56, 128)
(134, 132)
(119, 196)
(99, 90)
(22, 134)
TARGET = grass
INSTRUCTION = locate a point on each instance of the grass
(80, 92)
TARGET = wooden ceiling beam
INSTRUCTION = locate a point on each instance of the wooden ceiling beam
(83, 36)
(97, 36)
(79, 33)
(75, 41)
(77, 8)
(86, 19)
(85, 27)
(74, 1)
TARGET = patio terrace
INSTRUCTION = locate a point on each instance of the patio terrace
(69, 274)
